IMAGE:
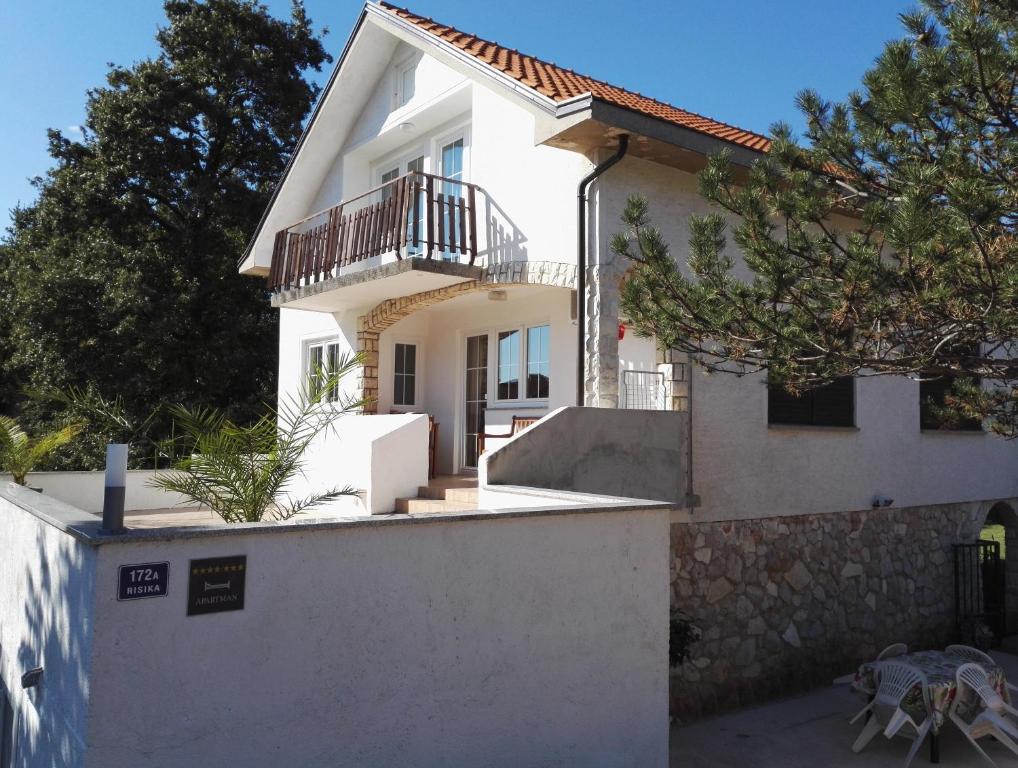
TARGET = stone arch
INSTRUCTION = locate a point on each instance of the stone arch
(1005, 513)
(391, 311)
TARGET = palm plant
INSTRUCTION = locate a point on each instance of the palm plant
(242, 472)
(20, 454)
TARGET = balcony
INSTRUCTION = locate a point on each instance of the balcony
(416, 216)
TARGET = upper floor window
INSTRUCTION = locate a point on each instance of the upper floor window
(832, 405)
(322, 363)
(404, 377)
(933, 398)
(406, 82)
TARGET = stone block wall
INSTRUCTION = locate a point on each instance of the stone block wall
(784, 604)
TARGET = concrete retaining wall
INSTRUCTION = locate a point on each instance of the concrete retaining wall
(512, 639)
(636, 454)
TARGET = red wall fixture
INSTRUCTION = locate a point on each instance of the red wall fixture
(622, 331)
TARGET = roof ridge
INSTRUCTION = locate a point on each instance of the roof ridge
(717, 128)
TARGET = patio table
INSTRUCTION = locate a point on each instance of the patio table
(940, 668)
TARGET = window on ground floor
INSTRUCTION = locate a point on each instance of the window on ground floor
(524, 355)
(322, 363)
(832, 405)
(538, 361)
(509, 365)
(404, 377)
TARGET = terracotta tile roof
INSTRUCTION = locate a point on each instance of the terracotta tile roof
(560, 84)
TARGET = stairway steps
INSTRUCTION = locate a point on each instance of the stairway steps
(418, 506)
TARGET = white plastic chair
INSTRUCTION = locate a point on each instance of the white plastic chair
(997, 718)
(896, 681)
(972, 654)
(898, 649)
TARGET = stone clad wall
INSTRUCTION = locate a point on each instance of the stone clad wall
(784, 604)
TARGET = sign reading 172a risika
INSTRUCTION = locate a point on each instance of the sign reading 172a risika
(143, 580)
(216, 584)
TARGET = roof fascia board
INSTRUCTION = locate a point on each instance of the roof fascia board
(432, 42)
(670, 133)
(575, 104)
(322, 97)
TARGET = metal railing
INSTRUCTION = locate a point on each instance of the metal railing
(418, 215)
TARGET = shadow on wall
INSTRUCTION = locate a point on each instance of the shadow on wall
(56, 635)
(503, 239)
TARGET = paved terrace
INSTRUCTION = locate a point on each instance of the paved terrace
(813, 730)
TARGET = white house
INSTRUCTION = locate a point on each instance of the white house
(429, 219)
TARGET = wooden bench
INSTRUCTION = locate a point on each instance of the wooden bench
(519, 424)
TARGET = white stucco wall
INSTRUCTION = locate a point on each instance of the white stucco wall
(533, 187)
(85, 490)
(47, 583)
(742, 468)
(532, 640)
(385, 457)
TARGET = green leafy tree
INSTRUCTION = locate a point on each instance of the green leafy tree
(20, 454)
(122, 276)
(885, 245)
(243, 473)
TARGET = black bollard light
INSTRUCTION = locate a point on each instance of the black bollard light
(115, 489)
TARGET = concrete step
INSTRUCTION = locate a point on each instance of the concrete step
(454, 493)
(463, 495)
(418, 506)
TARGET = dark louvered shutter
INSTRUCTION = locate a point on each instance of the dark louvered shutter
(832, 405)
(784, 408)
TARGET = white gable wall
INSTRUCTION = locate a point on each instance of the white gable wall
(376, 133)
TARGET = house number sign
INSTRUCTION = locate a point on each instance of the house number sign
(143, 580)
(216, 584)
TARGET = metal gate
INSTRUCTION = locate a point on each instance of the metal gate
(643, 390)
(979, 586)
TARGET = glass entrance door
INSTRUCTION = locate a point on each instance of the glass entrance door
(476, 396)
(452, 170)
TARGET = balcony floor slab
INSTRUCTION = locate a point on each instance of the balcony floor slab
(376, 284)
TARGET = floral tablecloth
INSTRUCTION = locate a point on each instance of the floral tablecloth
(940, 668)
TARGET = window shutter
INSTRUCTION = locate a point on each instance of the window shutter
(784, 408)
(834, 404)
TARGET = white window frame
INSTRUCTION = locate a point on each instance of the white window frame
(522, 366)
(446, 137)
(399, 97)
(322, 342)
(399, 160)
(416, 404)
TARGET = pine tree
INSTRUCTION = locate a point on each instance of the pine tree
(122, 278)
(885, 244)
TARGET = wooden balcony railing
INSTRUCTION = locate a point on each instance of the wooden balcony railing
(415, 216)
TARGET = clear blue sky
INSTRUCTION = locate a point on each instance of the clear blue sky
(741, 61)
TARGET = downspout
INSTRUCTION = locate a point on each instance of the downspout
(581, 263)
